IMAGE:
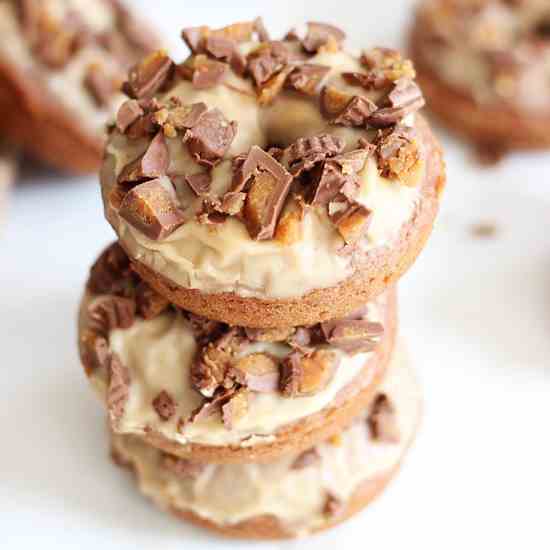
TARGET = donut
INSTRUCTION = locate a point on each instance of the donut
(202, 389)
(62, 63)
(300, 493)
(271, 183)
(484, 67)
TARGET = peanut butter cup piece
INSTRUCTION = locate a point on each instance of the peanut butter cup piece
(235, 409)
(307, 78)
(148, 76)
(351, 219)
(307, 374)
(152, 208)
(107, 313)
(321, 34)
(258, 372)
(164, 405)
(95, 352)
(305, 153)
(127, 114)
(353, 335)
(111, 271)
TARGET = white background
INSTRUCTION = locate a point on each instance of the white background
(475, 314)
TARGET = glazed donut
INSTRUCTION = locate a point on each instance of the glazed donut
(61, 66)
(202, 389)
(295, 495)
(269, 183)
(484, 67)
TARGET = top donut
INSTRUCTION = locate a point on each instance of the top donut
(271, 182)
(62, 63)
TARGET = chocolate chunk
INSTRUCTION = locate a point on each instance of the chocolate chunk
(351, 219)
(267, 60)
(152, 164)
(193, 37)
(183, 468)
(307, 78)
(204, 329)
(304, 153)
(209, 371)
(338, 175)
(269, 91)
(333, 507)
(212, 406)
(404, 99)
(303, 375)
(398, 155)
(235, 409)
(180, 117)
(306, 459)
(204, 73)
(199, 183)
(94, 351)
(149, 302)
(211, 137)
(259, 372)
(232, 203)
(377, 79)
(333, 101)
(127, 114)
(152, 208)
(220, 47)
(110, 272)
(107, 313)
(356, 113)
(118, 390)
(321, 34)
(164, 405)
(353, 335)
(264, 202)
(147, 77)
(382, 420)
(196, 37)
(100, 86)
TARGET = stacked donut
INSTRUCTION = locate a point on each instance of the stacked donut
(266, 195)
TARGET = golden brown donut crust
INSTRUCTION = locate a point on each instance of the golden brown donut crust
(381, 269)
(308, 431)
(496, 126)
(35, 120)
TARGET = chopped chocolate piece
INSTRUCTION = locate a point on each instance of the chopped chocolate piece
(264, 203)
(235, 409)
(352, 221)
(307, 78)
(127, 114)
(149, 302)
(290, 227)
(353, 335)
(280, 334)
(181, 117)
(111, 271)
(262, 68)
(211, 137)
(210, 368)
(404, 99)
(148, 76)
(206, 73)
(152, 208)
(213, 405)
(247, 167)
(152, 164)
(356, 112)
(94, 351)
(382, 420)
(398, 155)
(307, 458)
(303, 375)
(269, 91)
(304, 153)
(193, 37)
(118, 390)
(320, 34)
(196, 37)
(100, 86)
(334, 507)
(404, 92)
(238, 63)
(220, 47)
(258, 372)
(107, 313)
(333, 101)
(338, 175)
(164, 405)
(183, 468)
(144, 126)
(199, 183)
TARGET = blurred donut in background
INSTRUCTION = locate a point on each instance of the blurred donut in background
(484, 68)
(62, 63)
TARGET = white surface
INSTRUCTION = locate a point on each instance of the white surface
(476, 314)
